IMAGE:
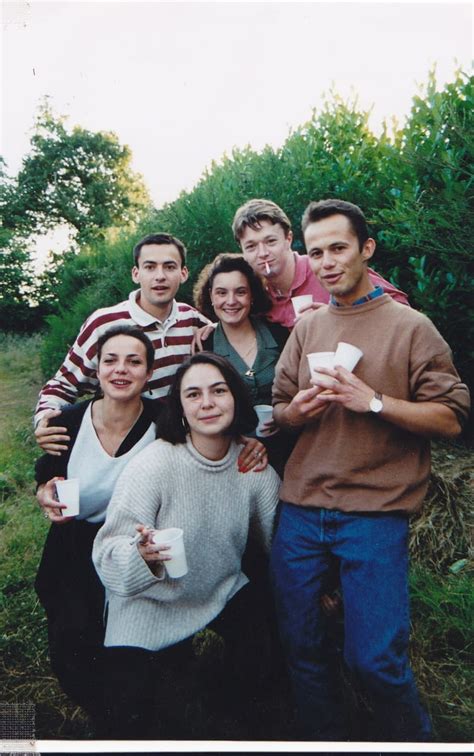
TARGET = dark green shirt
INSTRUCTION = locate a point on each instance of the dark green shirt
(271, 339)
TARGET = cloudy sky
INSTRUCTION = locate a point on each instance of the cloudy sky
(183, 82)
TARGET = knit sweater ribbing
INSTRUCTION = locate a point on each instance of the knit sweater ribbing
(358, 461)
(215, 505)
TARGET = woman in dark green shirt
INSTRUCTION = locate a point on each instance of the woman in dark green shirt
(228, 290)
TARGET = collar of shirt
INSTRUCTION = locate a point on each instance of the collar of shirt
(301, 274)
(143, 318)
(377, 292)
(265, 338)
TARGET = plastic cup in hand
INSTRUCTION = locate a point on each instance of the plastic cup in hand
(347, 355)
(302, 301)
(68, 495)
(320, 359)
(264, 414)
(177, 566)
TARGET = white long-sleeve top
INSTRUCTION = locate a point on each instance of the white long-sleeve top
(216, 506)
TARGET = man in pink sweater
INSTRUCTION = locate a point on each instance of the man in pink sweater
(263, 231)
(360, 466)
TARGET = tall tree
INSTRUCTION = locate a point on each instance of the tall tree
(71, 177)
(75, 177)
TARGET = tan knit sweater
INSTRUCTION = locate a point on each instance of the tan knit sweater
(360, 462)
(216, 506)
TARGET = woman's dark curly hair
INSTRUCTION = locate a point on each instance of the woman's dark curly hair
(228, 262)
(170, 425)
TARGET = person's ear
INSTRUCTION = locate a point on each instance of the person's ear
(184, 274)
(135, 278)
(368, 249)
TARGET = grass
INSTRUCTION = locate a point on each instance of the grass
(442, 650)
(25, 675)
(442, 602)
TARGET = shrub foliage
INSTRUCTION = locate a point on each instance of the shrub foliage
(413, 182)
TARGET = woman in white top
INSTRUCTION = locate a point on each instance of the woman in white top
(104, 434)
(188, 479)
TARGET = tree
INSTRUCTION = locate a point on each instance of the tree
(77, 177)
(71, 176)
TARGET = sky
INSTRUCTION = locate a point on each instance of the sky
(184, 82)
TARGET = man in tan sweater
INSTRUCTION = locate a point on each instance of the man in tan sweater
(360, 466)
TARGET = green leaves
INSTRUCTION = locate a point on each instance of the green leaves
(414, 183)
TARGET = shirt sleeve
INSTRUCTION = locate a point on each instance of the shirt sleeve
(286, 383)
(433, 377)
(262, 517)
(115, 554)
(76, 376)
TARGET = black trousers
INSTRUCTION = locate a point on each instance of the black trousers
(72, 595)
(183, 690)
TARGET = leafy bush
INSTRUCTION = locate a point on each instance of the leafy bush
(414, 184)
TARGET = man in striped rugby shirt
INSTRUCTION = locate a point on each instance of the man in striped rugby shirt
(159, 269)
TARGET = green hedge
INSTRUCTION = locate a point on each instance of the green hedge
(414, 184)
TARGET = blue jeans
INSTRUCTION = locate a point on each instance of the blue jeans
(373, 554)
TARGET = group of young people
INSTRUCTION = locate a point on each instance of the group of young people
(169, 441)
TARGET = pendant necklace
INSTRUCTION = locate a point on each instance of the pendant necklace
(250, 373)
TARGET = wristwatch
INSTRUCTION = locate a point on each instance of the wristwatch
(376, 404)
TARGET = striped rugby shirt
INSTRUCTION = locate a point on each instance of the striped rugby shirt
(171, 340)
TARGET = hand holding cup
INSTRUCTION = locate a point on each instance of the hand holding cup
(48, 500)
(165, 546)
(266, 426)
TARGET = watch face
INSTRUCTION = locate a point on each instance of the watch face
(375, 405)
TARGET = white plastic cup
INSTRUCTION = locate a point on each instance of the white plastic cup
(264, 414)
(68, 495)
(320, 359)
(302, 301)
(347, 355)
(177, 566)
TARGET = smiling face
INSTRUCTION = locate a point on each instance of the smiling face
(159, 273)
(231, 297)
(122, 369)
(267, 249)
(208, 404)
(336, 259)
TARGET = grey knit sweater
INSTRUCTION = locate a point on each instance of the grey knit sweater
(216, 506)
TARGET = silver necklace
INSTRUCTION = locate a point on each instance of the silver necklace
(250, 373)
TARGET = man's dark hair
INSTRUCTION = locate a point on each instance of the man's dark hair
(125, 330)
(228, 262)
(317, 211)
(171, 424)
(160, 239)
(254, 212)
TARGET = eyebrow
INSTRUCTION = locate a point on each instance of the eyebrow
(163, 262)
(213, 385)
(114, 354)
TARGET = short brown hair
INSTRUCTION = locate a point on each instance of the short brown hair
(159, 239)
(254, 212)
(227, 262)
(317, 211)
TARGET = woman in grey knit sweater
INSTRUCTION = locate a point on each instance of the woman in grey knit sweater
(187, 479)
